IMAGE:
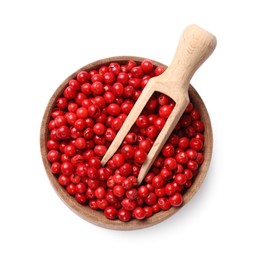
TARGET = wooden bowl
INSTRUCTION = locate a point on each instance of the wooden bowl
(97, 217)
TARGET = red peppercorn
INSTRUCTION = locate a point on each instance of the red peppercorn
(200, 158)
(117, 89)
(86, 102)
(124, 215)
(128, 151)
(118, 159)
(164, 203)
(145, 145)
(196, 144)
(82, 112)
(142, 121)
(80, 143)
(176, 200)
(148, 211)
(63, 180)
(143, 191)
(71, 189)
(180, 178)
(118, 191)
(159, 123)
(109, 77)
(94, 111)
(128, 204)
(151, 105)
(151, 199)
(129, 91)
(70, 92)
(139, 213)
(82, 77)
(192, 165)
(166, 174)
(125, 169)
(53, 156)
(140, 156)
(79, 124)
(170, 189)
(183, 143)
(159, 70)
(137, 72)
(164, 99)
(131, 138)
(111, 212)
(86, 88)
(55, 167)
(100, 150)
(151, 132)
(67, 168)
(100, 192)
(165, 111)
(94, 162)
(63, 132)
(109, 134)
(157, 181)
(127, 184)
(115, 68)
(116, 124)
(170, 163)
(168, 150)
(113, 109)
(147, 66)
(80, 187)
(99, 128)
(181, 157)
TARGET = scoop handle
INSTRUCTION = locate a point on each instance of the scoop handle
(195, 46)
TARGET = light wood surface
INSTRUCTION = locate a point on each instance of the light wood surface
(195, 46)
(97, 217)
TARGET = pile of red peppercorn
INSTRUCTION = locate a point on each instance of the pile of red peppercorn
(83, 124)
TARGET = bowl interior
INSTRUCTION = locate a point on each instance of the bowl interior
(97, 217)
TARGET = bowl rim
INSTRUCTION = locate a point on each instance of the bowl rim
(97, 217)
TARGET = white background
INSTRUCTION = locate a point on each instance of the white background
(43, 42)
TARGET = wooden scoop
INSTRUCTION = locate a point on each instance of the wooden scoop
(194, 47)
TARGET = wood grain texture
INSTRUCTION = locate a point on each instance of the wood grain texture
(97, 217)
(195, 46)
